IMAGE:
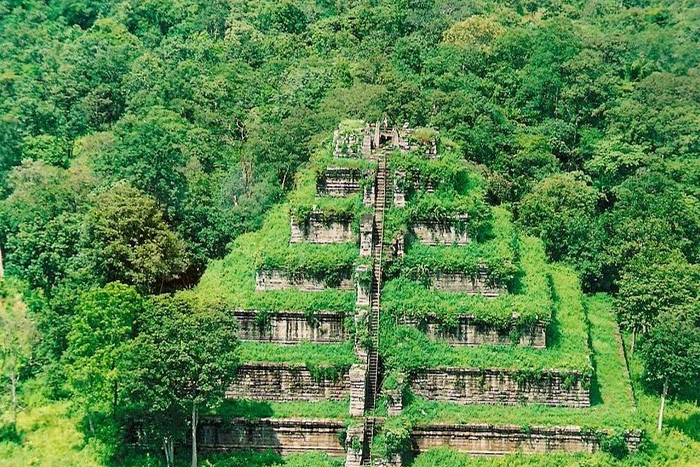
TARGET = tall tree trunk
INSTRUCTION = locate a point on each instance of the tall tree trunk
(90, 424)
(634, 338)
(195, 420)
(2, 270)
(663, 403)
(168, 450)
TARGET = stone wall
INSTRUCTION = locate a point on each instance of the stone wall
(339, 181)
(318, 229)
(490, 440)
(293, 436)
(277, 280)
(500, 387)
(282, 382)
(366, 225)
(283, 436)
(466, 283)
(289, 327)
(445, 233)
(357, 377)
(467, 332)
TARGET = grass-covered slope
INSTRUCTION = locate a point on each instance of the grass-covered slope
(612, 404)
(406, 348)
(530, 296)
(232, 279)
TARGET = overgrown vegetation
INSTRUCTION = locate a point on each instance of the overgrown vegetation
(143, 142)
(408, 349)
(324, 361)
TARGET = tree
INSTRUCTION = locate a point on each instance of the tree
(185, 358)
(560, 210)
(532, 163)
(149, 153)
(126, 239)
(100, 335)
(671, 352)
(653, 282)
(17, 337)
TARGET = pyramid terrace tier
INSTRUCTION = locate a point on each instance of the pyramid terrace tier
(276, 279)
(467, 330)
(291, 327)
(282, 436)
(342, 181)
(323, 229)
(502, 387)
(290, 382)
(448, 231)
(299, 435)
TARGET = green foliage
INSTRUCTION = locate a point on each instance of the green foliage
(394, 438)
(498, 255)
(18, 335)
(98, 346)
(183, 358)
(530, 301)
(671, 349)
(408, 349)
(232, 280)
(211, 107)
(653, 282)
(324, 361)
(127, 239)
(560, 210)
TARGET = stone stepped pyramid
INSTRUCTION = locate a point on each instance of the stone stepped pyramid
(362, 385)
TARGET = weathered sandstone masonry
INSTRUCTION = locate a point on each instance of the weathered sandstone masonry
(478, 284)
(469, 332)
(282, 382)
(276, 279)
(292, 436)
(291, 327)
(340, 181)
(445, 232)
(491, 440)
(319, 228)
(501, 387)
(283, 436)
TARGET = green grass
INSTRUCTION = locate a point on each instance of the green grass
(270, 459)
(498, 254)
(340, 356)
(407, 349)
(530, 297)
(612, 403)
(232, 280)
(304, 198)
(677, 446)
(49, 437)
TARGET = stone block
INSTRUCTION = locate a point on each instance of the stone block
(290, 327)
(275, 279)
(283, 436)
(468, 332)
(321, 230)
(283, 382)
(445, 233)
(501, 387)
